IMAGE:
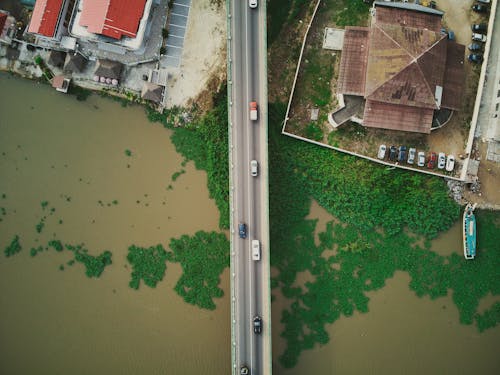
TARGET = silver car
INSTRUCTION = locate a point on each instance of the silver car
(252, 4)
(412, 152)
(421, 159)
(381, 152)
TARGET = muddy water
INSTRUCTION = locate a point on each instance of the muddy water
(72, 154)
(401, 334)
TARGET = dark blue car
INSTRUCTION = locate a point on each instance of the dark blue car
(242, 229)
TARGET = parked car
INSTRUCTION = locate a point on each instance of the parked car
(480, 8)
(479, 37)
(257, 324)
(421, 159)
(476, 58)
(441, 160)
(393, 152)
(252, 4)
(402, 154)
(479, 28)
(431, 164)
(242, 230)
(451, 35)
(381, 152)
(450, 163)
(412, 152)
(475, 47)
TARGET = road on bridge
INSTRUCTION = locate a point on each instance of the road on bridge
(250, 281)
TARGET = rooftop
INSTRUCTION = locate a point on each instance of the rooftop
(45, 16)
(112, 18)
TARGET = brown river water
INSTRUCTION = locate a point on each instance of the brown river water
(72, 154)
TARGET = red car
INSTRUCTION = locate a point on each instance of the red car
(432, 160)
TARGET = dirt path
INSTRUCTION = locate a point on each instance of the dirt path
(204, 53)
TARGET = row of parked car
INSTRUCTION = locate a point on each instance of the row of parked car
(401, 155)
(478, 33)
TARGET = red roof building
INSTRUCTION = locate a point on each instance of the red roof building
(3, 19)
(403, 66)
(45, 17)
(112, 18)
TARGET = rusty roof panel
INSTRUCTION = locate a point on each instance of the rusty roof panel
(408, 87)
(385, 59)
(454, 76)
(353, 62)
(408, 18)
(397, 117)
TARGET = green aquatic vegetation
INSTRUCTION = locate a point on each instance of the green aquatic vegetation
(205, 141)
(4, 196)
(128, 152)
(203, 257)
(176, 175)
(94, 265)
(358, 256)
(44, 204)
(489, 319)
(115, 202)
(13, 248)
(56, 245)
(148, 264)
(35, 250)
(41, 224)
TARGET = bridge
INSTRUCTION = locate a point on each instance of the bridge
(249, 195)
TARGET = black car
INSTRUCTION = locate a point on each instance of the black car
(402, 154)
(480, 8)
(257, 325)
(479, 28)
(475, 47)
(476, 58)
(393, 152)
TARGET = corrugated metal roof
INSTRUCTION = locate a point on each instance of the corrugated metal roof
(112, 18)
(45, 16)
(409, 6)
(397, 117)
(454, 78)
(409, 18)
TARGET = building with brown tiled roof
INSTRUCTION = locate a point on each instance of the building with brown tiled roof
(404, 67)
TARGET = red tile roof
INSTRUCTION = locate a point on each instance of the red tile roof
(3, 18)
(411, 69)
(397, 117)
(45, 16)
(352, 72)
(112, 18)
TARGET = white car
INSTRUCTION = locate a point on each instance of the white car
(412, 152)
(479, 37)
(441, 160)
(254, 168)
(252, 4)
(255, 250)
(421, 159)
(381, 152)
(483, 1)
(450, 163)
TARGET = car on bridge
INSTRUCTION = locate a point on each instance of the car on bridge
(257, 325)
(254, 168)
(244, 370)
(253, 4)
(242, 230)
